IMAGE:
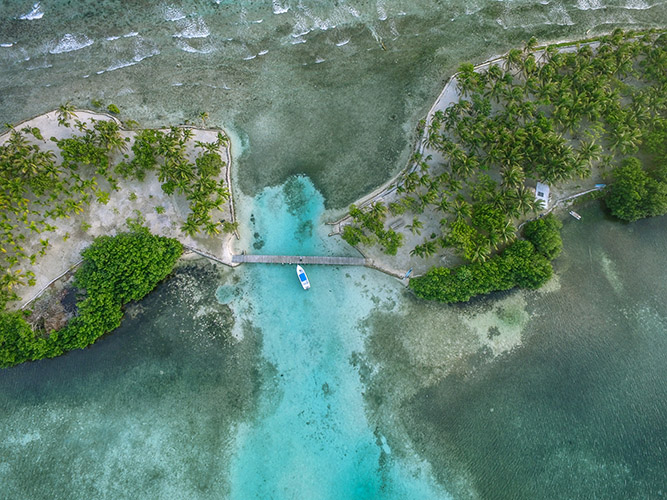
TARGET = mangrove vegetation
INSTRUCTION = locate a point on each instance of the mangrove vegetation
(115, 270)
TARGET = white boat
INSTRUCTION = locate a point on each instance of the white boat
(302, 277)
(575, 215)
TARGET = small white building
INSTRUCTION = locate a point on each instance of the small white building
(542, 194)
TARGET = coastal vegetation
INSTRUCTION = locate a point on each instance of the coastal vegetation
(551, 114)
(115, 270)
(43, 180)
(637, 193)
(524, 263)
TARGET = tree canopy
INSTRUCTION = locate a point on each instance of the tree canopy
(635, 193)
(115, 271)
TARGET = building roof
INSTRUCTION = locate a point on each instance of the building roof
(542, 194)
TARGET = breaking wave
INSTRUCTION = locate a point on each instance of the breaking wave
(70, 43)
(194, 28)
(171, 13)
(35, 13)
(278, 8)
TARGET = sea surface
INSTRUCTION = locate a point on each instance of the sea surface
(237, 383)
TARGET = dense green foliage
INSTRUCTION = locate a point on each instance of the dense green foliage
(518, 265)
(525, 263)
(541, 115)
(636, 193)
(115, 270)
(544, 234)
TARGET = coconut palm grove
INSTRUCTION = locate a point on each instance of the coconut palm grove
(550, 114)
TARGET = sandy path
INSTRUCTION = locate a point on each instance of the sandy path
(134, 198)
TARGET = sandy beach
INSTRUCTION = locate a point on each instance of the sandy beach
(162, 214)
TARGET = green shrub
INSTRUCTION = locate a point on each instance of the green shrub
(544, 234)
(635, 194)
(115, 270)
(519, 265)
(112, 108)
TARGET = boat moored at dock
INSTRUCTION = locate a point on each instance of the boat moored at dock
(303, 278)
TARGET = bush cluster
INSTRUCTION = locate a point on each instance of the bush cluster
(115, 271)
(524, 263)
(637, 193)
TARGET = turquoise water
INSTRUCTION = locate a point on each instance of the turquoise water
(312, 439)
(237, 383)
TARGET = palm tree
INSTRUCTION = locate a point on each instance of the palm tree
(513, 177)
(415, 227)
(480, 251)
(444, 204)
(65, 112)
(461, 209)
(190, 226)
(418, 250)
(513, 59)
(507, 232)
(426, 249)
(378, 210)
(525, 200)
(467, 79)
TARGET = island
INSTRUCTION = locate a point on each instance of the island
(107, 209)
(512, 140)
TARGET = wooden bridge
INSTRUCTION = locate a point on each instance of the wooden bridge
(300, 259)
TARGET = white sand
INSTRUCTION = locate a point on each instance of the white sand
(67, 242)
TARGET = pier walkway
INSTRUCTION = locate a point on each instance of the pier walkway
(300, 259)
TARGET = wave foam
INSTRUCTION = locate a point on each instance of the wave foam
(560, 17)
(637, 5)
(171, 13)
(278, 8)
(382, 12)
(35, 13)
(186, 47)
(352, 10)
(70, 43)
(195, 28)
(135, 60)
(40, 66)
(589, 5)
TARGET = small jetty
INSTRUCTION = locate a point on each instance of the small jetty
(300, 259)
